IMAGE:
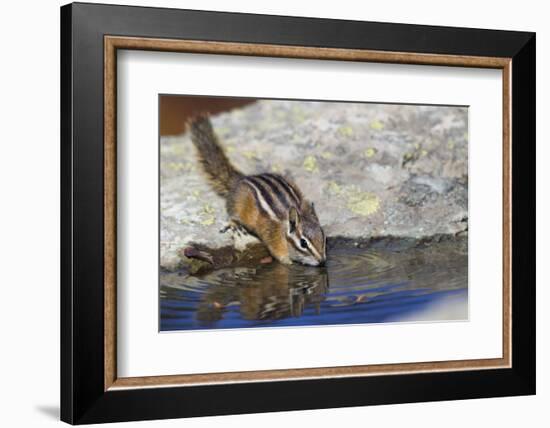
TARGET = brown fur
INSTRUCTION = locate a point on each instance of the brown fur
(243, 209)
(217, 168)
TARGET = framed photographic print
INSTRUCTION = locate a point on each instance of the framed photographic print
(264, 213)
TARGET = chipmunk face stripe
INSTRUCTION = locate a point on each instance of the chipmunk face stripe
(309, 250)
(314, 250)
(282, 195)
(263, 200)
(296, 244)
(286, 185)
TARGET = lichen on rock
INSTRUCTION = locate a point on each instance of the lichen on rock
(363, 203)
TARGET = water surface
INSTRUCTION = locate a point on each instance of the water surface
(385, 282)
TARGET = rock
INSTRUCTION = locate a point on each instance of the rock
(372, 170)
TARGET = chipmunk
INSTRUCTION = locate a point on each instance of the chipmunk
(268, 206)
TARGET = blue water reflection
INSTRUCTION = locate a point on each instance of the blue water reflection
(384, 283)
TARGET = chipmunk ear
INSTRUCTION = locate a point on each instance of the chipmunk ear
(293, 220)
(309, 209)
(313, 210)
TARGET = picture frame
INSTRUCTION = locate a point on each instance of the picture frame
(91, 391)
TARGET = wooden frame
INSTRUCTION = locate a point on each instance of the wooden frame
(513, 53)
(112, 43)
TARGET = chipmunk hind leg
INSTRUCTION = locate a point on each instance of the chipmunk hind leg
(241, 209)
(244, 209)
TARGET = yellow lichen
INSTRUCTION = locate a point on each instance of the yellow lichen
(208, 220)
(362, 203)
(376, 125)
(370, 152)
(310, 164)
(208, 209)
(346, 131)
(178, 149)
(423, 153)
(175, 166)
(276, 167)
(451, 144)
(327, 155)
(334, 188)
(249, 154)
(229, 149)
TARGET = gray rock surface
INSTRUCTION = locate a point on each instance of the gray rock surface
(373, 170)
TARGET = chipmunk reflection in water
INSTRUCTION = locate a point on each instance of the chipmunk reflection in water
(268, 292)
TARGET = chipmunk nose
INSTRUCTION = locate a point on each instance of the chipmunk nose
(322, 263)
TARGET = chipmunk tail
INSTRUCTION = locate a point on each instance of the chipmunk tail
(221, 175)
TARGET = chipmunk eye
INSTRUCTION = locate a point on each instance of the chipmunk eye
(303, 243)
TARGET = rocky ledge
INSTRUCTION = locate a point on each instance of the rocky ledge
(373, 170)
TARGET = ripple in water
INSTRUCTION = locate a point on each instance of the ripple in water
(388, 283)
